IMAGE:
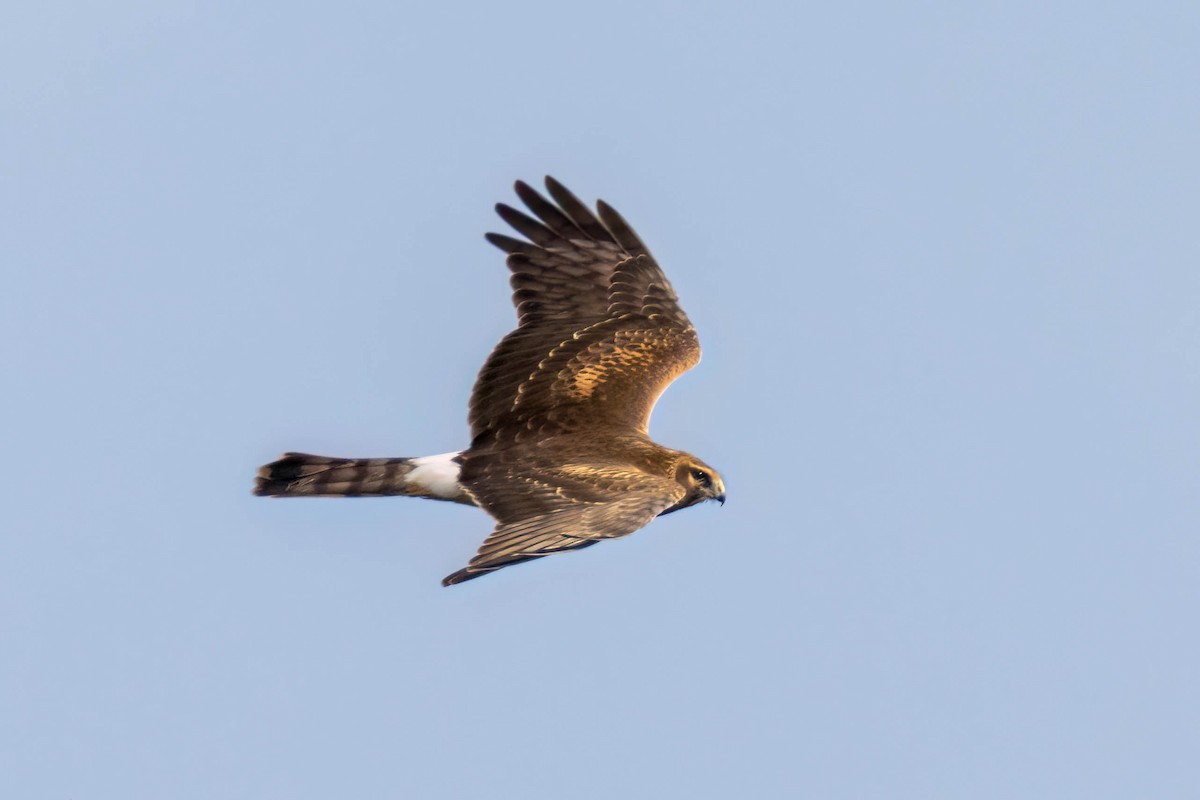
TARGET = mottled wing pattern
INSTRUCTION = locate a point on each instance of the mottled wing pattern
(541, 512)
(563, 271)
(600, 331)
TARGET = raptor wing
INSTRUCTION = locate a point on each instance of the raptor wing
(600, 330)
(551, 511)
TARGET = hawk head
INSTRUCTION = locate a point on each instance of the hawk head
(700, 482)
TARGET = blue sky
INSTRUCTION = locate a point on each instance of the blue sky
(944, 263)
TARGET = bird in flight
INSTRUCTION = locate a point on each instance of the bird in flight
(560, 454)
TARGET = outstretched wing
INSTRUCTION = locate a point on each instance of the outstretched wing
(542, 512)
(600, 332)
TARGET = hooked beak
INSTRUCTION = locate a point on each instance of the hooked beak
(720, 498)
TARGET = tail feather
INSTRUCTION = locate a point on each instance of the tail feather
(305, 475)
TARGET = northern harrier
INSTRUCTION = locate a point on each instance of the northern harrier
(560, 453)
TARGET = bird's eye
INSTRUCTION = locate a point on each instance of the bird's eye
(701, 477)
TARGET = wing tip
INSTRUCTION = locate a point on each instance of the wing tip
(463, 575)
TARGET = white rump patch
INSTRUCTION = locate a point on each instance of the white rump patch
(437, 475)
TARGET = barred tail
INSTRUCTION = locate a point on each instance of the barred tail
(304, 475)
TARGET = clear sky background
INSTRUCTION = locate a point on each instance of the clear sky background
(945, 265)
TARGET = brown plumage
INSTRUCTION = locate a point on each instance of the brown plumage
(560, 454)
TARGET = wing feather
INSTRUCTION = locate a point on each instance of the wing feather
(600, 331)
(535, 231)
(579, 213)
(621, 230)
(548, 213)
(566, 525)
